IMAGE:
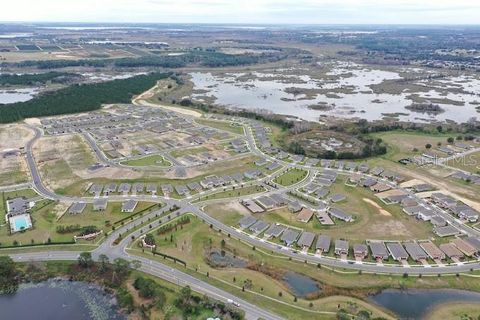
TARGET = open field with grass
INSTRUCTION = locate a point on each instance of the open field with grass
(455, 311)
(290, 177)
(470, 163)
(154, 160)
(222, 125)
(237, 192)
(404, 144)
(192, 241)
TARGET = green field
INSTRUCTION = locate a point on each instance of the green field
(154, 160)
(238, 192)
(222, 125)
(290, 177)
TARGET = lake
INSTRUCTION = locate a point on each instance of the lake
(300, 285)
(349, 94)
(59, 300)
(17, 95)
(416, 303)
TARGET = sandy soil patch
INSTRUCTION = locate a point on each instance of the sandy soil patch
(33, 121)
(188, 112)
(389, 193)
(14, 136)
(411, 183)
(380, 210)
(394, 229)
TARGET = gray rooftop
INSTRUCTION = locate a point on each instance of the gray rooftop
(247, 221)
(379, 250)
(415, 251)
(289, 236)
(323, 243)
(306, 239)
(397, 251)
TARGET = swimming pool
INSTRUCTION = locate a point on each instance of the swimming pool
(21, 222)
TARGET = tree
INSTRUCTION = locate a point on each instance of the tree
(103, 259)
(428, 146)
(121, 269)
(8, 275)
(85, 260)
(450, 140)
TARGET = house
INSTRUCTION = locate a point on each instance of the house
(289, 237)
(337, 198)
(415, 251)
(380, 187)
(194, 186)
(397, 251)
(360, 251)
(451, 251)
(446, 231)
(464, 246)
(265, 202)
(252, 206)
(124, 188)
(77, 208)
(324, 219)
(323, 244)
(306, 240)
(423, 187)
(252, 174)
(377, 171)
(305, 215)
(465, 212)
(368, 182)
(443, 200)
(273, 166)
(340, 214)
(322, 193)
(474, 242)
(274, 231)
(167, 189)
(294, 206)
(100, 204)
(341, 247)
(432, 250)
(260, 162)
(279, 200)
(181, 190)
(138, 187)
(379, 250)
(438, 221)
(96, 189)
(110, 188)
(259, 226)
(246, 222)
(129, 206)
(152, 188)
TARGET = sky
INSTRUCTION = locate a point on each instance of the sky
(245, 11)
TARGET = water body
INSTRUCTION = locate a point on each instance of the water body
(415, 304)
(17, 95)
(59, 300)
(268, 91)
(301, 286)
(226, 260)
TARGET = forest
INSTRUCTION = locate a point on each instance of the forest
(34, 78)
(79, 98)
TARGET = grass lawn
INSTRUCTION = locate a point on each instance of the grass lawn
(154, 160)
(457, 310)
(239, 192)
(402, 143)
(222, 125)
(470, 163)
(290, 177)
(189, 151)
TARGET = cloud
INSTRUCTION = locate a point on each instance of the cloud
(245, 11)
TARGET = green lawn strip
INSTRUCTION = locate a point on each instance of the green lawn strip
(237, 192)
(290, 177)
(154, 160)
